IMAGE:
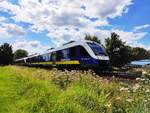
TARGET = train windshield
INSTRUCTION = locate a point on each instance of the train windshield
(98, 50)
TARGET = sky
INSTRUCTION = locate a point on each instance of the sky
(37, 25)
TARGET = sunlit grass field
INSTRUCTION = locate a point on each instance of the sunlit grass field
(33, 90)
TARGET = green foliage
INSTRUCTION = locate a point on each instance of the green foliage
(117, 50)
(139, 53)
(121, 54)
(30, 90)
(6, 54)
(20, 54)
(62, 81)
(92, 38)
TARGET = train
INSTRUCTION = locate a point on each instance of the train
(74, 54)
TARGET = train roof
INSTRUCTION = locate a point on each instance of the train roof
(27, 57)
(64, 46)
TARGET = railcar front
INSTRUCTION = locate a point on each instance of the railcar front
(94, 56)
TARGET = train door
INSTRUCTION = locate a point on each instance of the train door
(85, 58)
(54, 57)
(83, 53)
(73, 53)
(65, 55)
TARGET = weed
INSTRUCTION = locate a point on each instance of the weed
(31, 90)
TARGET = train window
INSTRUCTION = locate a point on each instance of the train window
(46, 57)
(28, 60)
(36, 59)
(40, 58)
(83, 52)
(72, 52)
(65, 54)
(98, 50)
(32, 59)
(21, 61)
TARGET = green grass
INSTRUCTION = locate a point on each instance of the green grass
(32, 90)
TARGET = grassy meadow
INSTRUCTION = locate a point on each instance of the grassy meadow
(33, 90)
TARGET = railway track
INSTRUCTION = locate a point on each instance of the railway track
(118, 74)
(126, 75)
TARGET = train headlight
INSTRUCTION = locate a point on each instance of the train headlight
(103, 57)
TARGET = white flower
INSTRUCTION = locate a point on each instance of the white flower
(124, 89)
(108, 105)
(129, 100)
(138, 79)
(147, 91)
(136, 87)
(144, 72)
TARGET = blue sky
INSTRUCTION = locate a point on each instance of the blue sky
(36, 25)
(138, 15)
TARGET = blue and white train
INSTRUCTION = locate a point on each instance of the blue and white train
(83, 54)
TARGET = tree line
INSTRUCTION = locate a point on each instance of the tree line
(119, 53)
(7, 56)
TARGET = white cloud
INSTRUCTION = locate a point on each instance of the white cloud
(131, 36)
(7, 6)
(2, 19)
(13, 29)
(55, 16)
(141, 27)
(65, 20)
(31, 46)
(9, 30)
(34, 43)
(107, 8)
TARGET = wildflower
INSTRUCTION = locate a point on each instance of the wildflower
(124, 89)
(94, 73)
(144, 72)
(108, 105)
(145, 100)
(138, 79)
(129, 100)
(147, 91)
(136, 87)
(118, 98)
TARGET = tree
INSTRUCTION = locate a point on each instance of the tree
(148, 54)
(92, 38)
(6, 54)
(20, 53)
(139, 53)
(117, 50)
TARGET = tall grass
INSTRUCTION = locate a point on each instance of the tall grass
(32, 90)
